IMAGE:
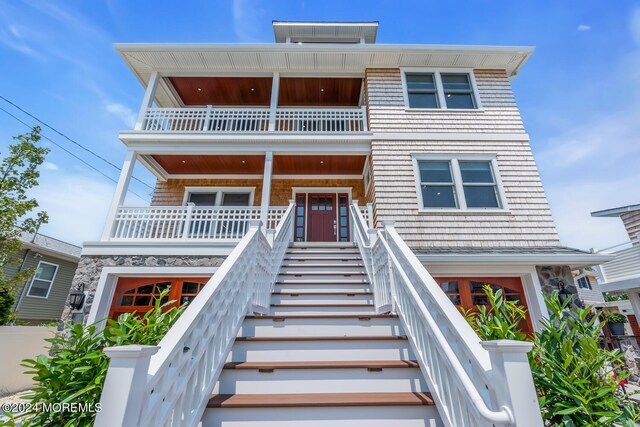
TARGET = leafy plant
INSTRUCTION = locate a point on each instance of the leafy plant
(77, 369)
(608, 296)
(574, 377)
(615, 318)
(18, 174)
(500, 319)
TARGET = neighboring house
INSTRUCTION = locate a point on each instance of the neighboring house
(622, 274)
(42, 298)
(588, 287)
(382, 175)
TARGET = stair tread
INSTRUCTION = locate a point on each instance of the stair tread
(322, 293)
(319, 400)
(328, 338)
(371, 364)
(329, 316)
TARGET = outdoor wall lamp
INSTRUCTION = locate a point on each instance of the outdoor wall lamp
(76, 297)
(563, 293)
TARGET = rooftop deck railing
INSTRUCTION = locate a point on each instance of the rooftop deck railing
(255, 119)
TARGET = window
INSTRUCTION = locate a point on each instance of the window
(584, 283)
(219, 196)
(440, 89)
(42, 280)
(465, 182)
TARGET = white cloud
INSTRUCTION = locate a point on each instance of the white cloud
(583, 27)
(122, 112)
(50, 166)
(77, 205)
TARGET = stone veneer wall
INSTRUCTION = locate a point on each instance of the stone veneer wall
(549, 277)
(90, 268)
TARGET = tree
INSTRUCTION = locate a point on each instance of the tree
(18, 174)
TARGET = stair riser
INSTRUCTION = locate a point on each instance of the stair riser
(240, 381)
(323, 271)
(323, 278)
(311, 287)
(295, 351)
(279, 311)
(321, 256)
(368, 416)
(321, 299)
(320, 327)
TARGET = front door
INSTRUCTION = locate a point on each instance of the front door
(322, 218)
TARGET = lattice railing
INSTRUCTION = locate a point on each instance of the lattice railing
(188, 222)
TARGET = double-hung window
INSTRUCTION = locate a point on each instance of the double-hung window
(42, 280)
(458, 183)
(452, 90)
(584, 282)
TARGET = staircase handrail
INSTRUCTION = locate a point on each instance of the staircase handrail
(170, 384)
(471, 382)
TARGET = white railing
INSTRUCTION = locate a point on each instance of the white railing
(472, 383)
(207, 119)
(252, 119)
(321, 120)
(156, 223)
(170, 385)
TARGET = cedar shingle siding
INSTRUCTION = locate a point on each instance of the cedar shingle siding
(631, 222)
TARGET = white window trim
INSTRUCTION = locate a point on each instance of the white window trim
(439, 88)
(53, 279)
(218, 190)
(457, 181)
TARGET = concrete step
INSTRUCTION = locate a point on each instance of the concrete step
(338, 325)
(308, 349)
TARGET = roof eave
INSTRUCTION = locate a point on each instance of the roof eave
(575, 261)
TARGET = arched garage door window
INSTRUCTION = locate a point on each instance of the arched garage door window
(139, 294)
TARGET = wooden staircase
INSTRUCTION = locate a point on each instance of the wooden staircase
(323, 357)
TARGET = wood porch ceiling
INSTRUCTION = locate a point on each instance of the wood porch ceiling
(256, 91)
(254, 164)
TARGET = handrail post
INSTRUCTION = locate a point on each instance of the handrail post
(123, 390)
(512, 381)
(207, 119)
(370, 215)
(187, 222)
(387, 225)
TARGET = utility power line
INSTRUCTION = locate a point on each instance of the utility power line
(69, 139)
(70, 153)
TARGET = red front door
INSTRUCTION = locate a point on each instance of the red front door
(321, 218)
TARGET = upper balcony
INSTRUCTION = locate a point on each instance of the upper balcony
(254, 105)
(624, 268)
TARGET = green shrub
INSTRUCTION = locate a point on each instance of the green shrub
(77, 369)
(500, 319)
(574, 377)
(7, 300)
(615, 318)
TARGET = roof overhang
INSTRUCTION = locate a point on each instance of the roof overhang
(575, 261)
(621, 285)
(301, 31)
(50, 252)
(309, 59)
(615, 211)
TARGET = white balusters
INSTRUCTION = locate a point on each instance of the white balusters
(188, 222)
(471, 385)
(241, 119)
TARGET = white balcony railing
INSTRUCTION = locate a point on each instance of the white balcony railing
(625, 265)
(255, 119)
(155, 223)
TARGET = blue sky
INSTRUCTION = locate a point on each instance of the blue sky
(579, 94)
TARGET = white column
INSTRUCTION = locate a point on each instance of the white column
(266, 188)
(147, 100)
(120, 194)
(634, 299)
(512, 380)
(275, 87)
(123, 391)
